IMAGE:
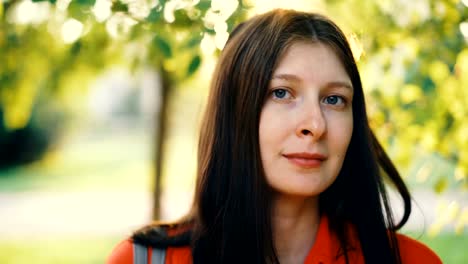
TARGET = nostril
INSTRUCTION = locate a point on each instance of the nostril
(306, 132)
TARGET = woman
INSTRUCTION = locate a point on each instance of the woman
(288, 168)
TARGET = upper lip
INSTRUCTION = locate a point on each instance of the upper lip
(305, 155)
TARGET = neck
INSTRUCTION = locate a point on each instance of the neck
(295, 222)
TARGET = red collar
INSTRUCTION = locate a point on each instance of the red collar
(326, 247)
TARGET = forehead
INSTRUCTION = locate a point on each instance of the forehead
(311, 61)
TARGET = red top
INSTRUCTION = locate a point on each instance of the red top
(323, 251)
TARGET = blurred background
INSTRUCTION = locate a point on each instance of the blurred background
(100, 103)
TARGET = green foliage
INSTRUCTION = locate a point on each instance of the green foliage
(118, 6)
(414, 70)
(85, 3)
(194, 65)
(79, 9)
(29, 79)
(203, 5)
(94, 49)
(194, 41)
(163, 46)
(155, 14)
(24, 145)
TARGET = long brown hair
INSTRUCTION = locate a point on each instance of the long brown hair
(230, 217)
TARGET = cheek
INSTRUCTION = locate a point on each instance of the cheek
(266, 138)
(347, 132)
(340, 130)
(269, 126)
(272, 133)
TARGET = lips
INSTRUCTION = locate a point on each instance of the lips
(306, 159)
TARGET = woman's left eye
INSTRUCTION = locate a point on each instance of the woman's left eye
(334, 100)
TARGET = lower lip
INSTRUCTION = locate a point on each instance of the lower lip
(306, 163)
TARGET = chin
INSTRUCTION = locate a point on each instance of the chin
(300, 191)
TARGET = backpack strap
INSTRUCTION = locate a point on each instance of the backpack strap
(158, 256)
(140, 255)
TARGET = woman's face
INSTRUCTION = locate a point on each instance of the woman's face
(306, 122)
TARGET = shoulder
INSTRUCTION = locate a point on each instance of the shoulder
(179, 255)
(413, 251)
(164, 235)
(123, 254)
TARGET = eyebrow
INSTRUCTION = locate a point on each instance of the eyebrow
(295, 78)
(287, 77)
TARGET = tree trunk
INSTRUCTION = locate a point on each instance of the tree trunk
(159, 137)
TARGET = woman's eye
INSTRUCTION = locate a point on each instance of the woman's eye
(334, 100)
(281, 94)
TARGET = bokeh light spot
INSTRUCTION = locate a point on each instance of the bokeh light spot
(71, 30)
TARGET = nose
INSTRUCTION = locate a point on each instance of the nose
(311, 123)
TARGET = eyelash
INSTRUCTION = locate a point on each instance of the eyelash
(343, 100)
(273, 93)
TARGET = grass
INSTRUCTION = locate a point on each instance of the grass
(57, 250)
(450, 247)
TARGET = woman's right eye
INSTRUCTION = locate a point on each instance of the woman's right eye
(281, 94)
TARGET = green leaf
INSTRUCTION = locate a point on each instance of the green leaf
(210, 31)
(194, 41)
(182, 19)
(53, 1)
(155, 15)
(75, 10)
(203, 5)
(37, 1)
(194, 65)
(86, 2)
(163, 46)
(80, 9)
(118, 6)
(75, 48)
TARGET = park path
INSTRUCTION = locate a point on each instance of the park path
(117, 213)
